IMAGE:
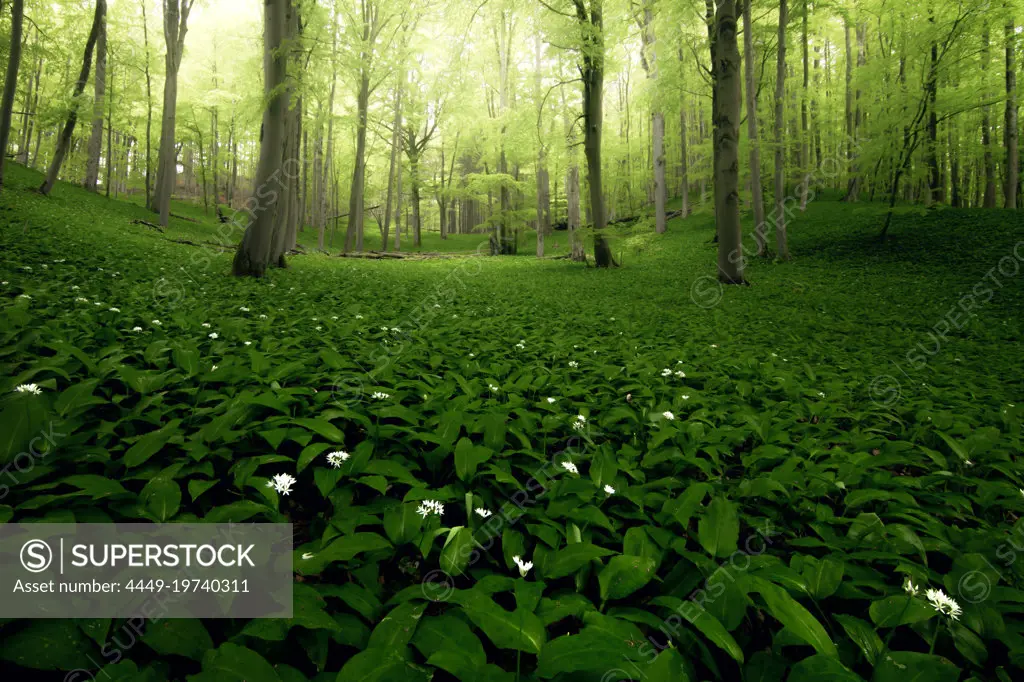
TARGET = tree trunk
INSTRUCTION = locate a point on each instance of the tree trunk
(650, 64)
(805, 148)
(11, 81)
(108, 177)
(1010, 125)
(756, 192)
(726, 118)
(92, 164)
(781, 246)
(396, 140)
(149, 108)
(175, 27)
(64, 139)
(254, 252)
(592, 72)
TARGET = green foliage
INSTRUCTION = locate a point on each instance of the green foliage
(763, 532)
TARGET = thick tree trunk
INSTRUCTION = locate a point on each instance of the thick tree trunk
(64, 138)
(1010, 123)
(353, 236)
(728, 98)
(254, 252)
(593, 119)
(11, 81)
(781, 246)
(756, 192)
(92, 164)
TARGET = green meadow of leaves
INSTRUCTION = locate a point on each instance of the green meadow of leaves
(778, 464)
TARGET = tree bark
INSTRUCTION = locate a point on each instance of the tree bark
(756, 192)
(175, 27)
(254, 252)
(650, 64)
(781, 246)
(92, 164)
(805, 148)
(11, 81)
(64, 139)
(726, 118)
(1010, 124)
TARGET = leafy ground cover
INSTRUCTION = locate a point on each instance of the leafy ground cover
(674, 481)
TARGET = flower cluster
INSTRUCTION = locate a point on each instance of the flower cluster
(428, 507)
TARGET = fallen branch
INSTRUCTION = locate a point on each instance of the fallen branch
(150, 225)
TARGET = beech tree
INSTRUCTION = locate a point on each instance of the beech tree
(175, 27)
(10, 80)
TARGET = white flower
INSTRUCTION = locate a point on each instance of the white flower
(610, 490)
(909, 587)
(472, 355)
(520, 346)
(680, 374)
(29, 267)
(97, 303)
(579, 422)
(428, 507)
(336, 458)
(570, 467)
(214, 368)
(524, 566)
(283, 483)
(359, 317)
(82, 299)
(136, 329)
(74, 288)
(944, 604)
(820, 394)
(262, 316)
(206, 325)
(270, 484)
(115, 310)
(574, 364)
(483, 513)
(308, 555)
(493, 388)
(214, 335)
(243, 308)
(668, 415)
(334, 317)
(156, 323)
(968, 462)
(437, 305)
(380, 395)
(316, 319)
(714, 345)
(318, 328)
(396, 330)
(383, 329)
(551, 400)
(29, 388)
(25, 296)
(685, 396)
(248, 343)
(666, 372)
(840, 485)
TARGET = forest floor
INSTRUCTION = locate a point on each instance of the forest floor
(861, 384)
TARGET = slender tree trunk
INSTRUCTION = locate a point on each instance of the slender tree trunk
(396, 141)
(805, 149)
(353, 236)
(781, 246)
(64, 138)
(10, 81)
(25, 133)
(657, 119)
(175, 28)
(92, 164)
(756, 192)
(932, 147)
(398, 204)
(728, 100)
(109, 178)
(254, 252)
(1010, 124)
(149, 108)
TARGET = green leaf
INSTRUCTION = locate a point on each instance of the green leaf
(899, 610)
(698, 617)
(448, 643)
(344, 548)
(793, 615)
(150, 444)
(309, 453)
(910, 666)
(863, 635)
(518, 630)
(821, 667)
(458, 549)
(182, 636)
(592, 649)
(48, 645)
(823, 576)
(573, 557)
(322, 427)
(468, 457)
(381, 665)
(161, 497)
(719, 529)
(624, 575)
(234, 663)
(397, 628)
